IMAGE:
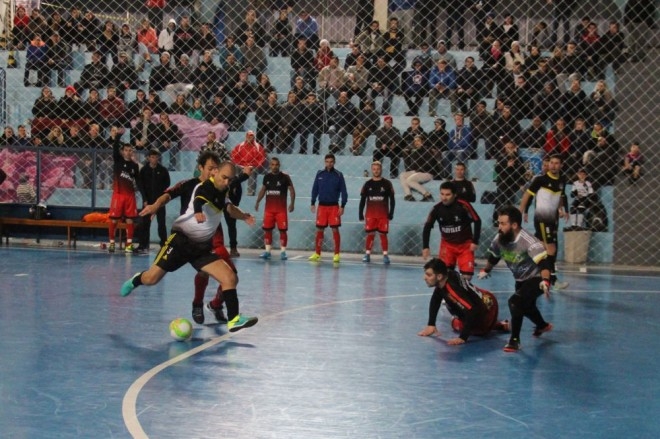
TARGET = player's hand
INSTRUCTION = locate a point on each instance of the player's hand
(428, 331)
(545, 287)
(256, 206)
(250, 220)
(483, 274)
(455, 341)
(313, 208)
(247, 170)
(473, 247)
(390, 217)
(426, 253)
(525, 217)
(149, 210)
(341, 211)
(291, 207)
(200, 217)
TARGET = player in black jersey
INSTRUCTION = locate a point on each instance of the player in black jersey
(551, 205)
(377, 195)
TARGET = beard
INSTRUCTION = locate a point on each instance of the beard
(505, 238)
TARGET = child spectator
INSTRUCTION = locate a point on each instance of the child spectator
(583, 194)
(632, 162)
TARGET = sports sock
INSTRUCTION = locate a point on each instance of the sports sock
(130, 231)
(268, 237)
(201, 282)
(231, 299)
(218, 300)
(336, 237)
(384, 243)
(284, 239)
(112, 227)
(137, 280)
(370, 242)
(318, 241)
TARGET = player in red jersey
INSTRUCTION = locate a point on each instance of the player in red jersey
(378, 195)
(125, 182)
(458, 242)
(274, 188)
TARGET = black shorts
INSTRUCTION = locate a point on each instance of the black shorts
(546, 231)
(178, 251)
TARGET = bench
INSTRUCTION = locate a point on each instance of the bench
(71, 227)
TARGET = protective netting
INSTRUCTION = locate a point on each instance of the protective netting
(521, 80)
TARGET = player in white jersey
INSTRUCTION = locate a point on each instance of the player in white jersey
(190, 242)
(528, 260)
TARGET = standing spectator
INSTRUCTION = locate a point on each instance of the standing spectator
(281, 41)
(456, 21)
(290, 119)
(633, 161)
(548, 103)
(612, 48)
(468, 86)
(639, 17)
(510, 32)
(460, 146)
(94, 75)
(314, 124)
(71, 33)
(251, 28)
(487, 32)
(415, 87)
(341, 120)
(458, 241)
(529, 263)
(168, 139)
(147, 40)
(388, 144)
(329, 186)
(250, 153)
(155, 11)
(90, 28)
(307, 28)
(590, 48)
(419, 169)
(166, 37)
(208, 78)
(58, 59)
(482, 124)
(551, 205)
(303, 63)
(510, 179)
(36, 58)
(112, 109)
(505, 127)
(377, 195)
(561, 12)
(576, 103)
(382, 79)
(464, 188)
(581, 142)
(185, 39)
(442, 84)
(107, 41)
(20, 29)
(603, 104)
(155, 180)
(395, 53)
(126, 181)
(268, 121)
(46, 106)
(427, 12)
(254, 58)
(493, 69)
(371, 42)
(437, 141)
(364, 11)
(143, 135)
(275, 186)
(366, 123)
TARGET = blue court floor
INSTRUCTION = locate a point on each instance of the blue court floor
(334, 355)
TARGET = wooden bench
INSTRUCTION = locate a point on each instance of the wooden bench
(71, 227)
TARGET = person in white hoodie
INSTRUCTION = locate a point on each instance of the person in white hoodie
(166, 37)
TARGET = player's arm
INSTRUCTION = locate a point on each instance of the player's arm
(315, 192)
(292, 195)
(434, 308)
(525, 203)
(491, 261)
(363, 202)
(563, 209)
(476, 220)
(239, 214)
(472, 193)
(426, 233)
(390, 216)
(344, 193)
(260, 196)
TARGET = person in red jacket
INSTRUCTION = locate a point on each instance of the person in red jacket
(250, 153)
(557, 140)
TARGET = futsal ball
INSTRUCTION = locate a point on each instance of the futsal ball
(181, 329)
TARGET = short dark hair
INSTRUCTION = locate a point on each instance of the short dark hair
(437, 265)
(514, 214)
(448, 185)
(329, 156)
(205, 156)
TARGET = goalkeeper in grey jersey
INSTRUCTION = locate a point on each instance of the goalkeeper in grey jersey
(528, 260)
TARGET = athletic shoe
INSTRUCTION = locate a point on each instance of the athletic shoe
(283, 256)
(409, 198)
(198, 313)
(559, 285)
(386, 260)
(539, 331)
(129, 248)
(335, 258)
(315, 257)
(427, 198)
(366, 258)
(265, 255)
(111, 247)
(217, 313)
(234, 253)
(239, 322)
(128, 287)
(512, 346)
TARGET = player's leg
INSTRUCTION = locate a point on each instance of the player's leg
(215, 305)
(370, 229)
(321, 224)
(517, 314)
(465, 261)
(268, 225)
(383, 228)
(201, 282)
(334, 220)
(129, 211)
(530, 292)
(282, 220)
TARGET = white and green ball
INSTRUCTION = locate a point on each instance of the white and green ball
(181, 329)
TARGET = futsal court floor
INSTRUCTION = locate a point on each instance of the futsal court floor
(335, 355)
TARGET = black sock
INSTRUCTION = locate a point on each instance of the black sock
(231, 300)
(137, 280)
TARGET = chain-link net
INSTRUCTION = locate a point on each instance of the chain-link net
(496, 86)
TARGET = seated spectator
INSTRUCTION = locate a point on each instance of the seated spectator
(331, 80)
(46, 105)
(351, 58)
(243, 93)
(367, 122)
(540, 75)
(541, 35)
(493, 69)
(232, 70)
(576, 103)
(589, 46)
(55, 137)
(251, 28)
(520, 99)
(281, 41)
(289, 122)
(22, 139)
(442, 52)
(548, 103)
(532, 59)
(482, 125)
(91, 108)
(229, 48)
(426, 56)
(112, 109)
(307, 28)
(301, 89)
(212, 144)
(388, 144)
(208, 78)
(510, 180)
(581, 28)
(218, 111)
(185, 39)
(107, 41)
(558, 141)
(136, 106)
(383, 83)
(161, 75)
(143, 135)
(127, 43)
(356, 80)
(25, 191)
(36, 57)
(8, 137)
(371, 42)
(602, 161)
(254, 58)
(487, 32)
(509, 32)
(583, 198)
(442, 84)
(206, 39)
(123, 74)
(180, 105)
(37, 25)
(603, 104)
(612, 48)
(534, 135)
(515, 54)
(303, 63)
(437, 141)
(461, 146)
(72, 28)
(505, 127)
(147, 40)
(464, 188)
(167, 138)
(91, 27)
(70, 106)
(20, 29)
(581, 142)
(414, 87)
(395, 54)
(341, 120)
(418, 170)
(166, 37)
(196, 112)
(415, 129)
(570, 67)
(73, 138)
(324, 55)
(468, 85)
(94, 75)
(633, 161)
(58, 59)
(183, 77)
(314, 124)
(267, 117)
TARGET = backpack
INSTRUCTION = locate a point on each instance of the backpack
(597, 217)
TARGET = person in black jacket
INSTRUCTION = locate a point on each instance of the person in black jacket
(314, 124)
(474, 310)
(155, 180)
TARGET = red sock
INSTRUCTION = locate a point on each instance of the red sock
(284, 238)
(384, 242)
(370, 241)
(268, 237)
(319, 241)
(130, 230)
(201, 282)
(112, 227)
(218, 300)
(336, 238)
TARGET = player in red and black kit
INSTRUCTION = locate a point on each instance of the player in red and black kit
(458, 242)
(474, 310)
(125, 182)
(274, 188)
(378, 195)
